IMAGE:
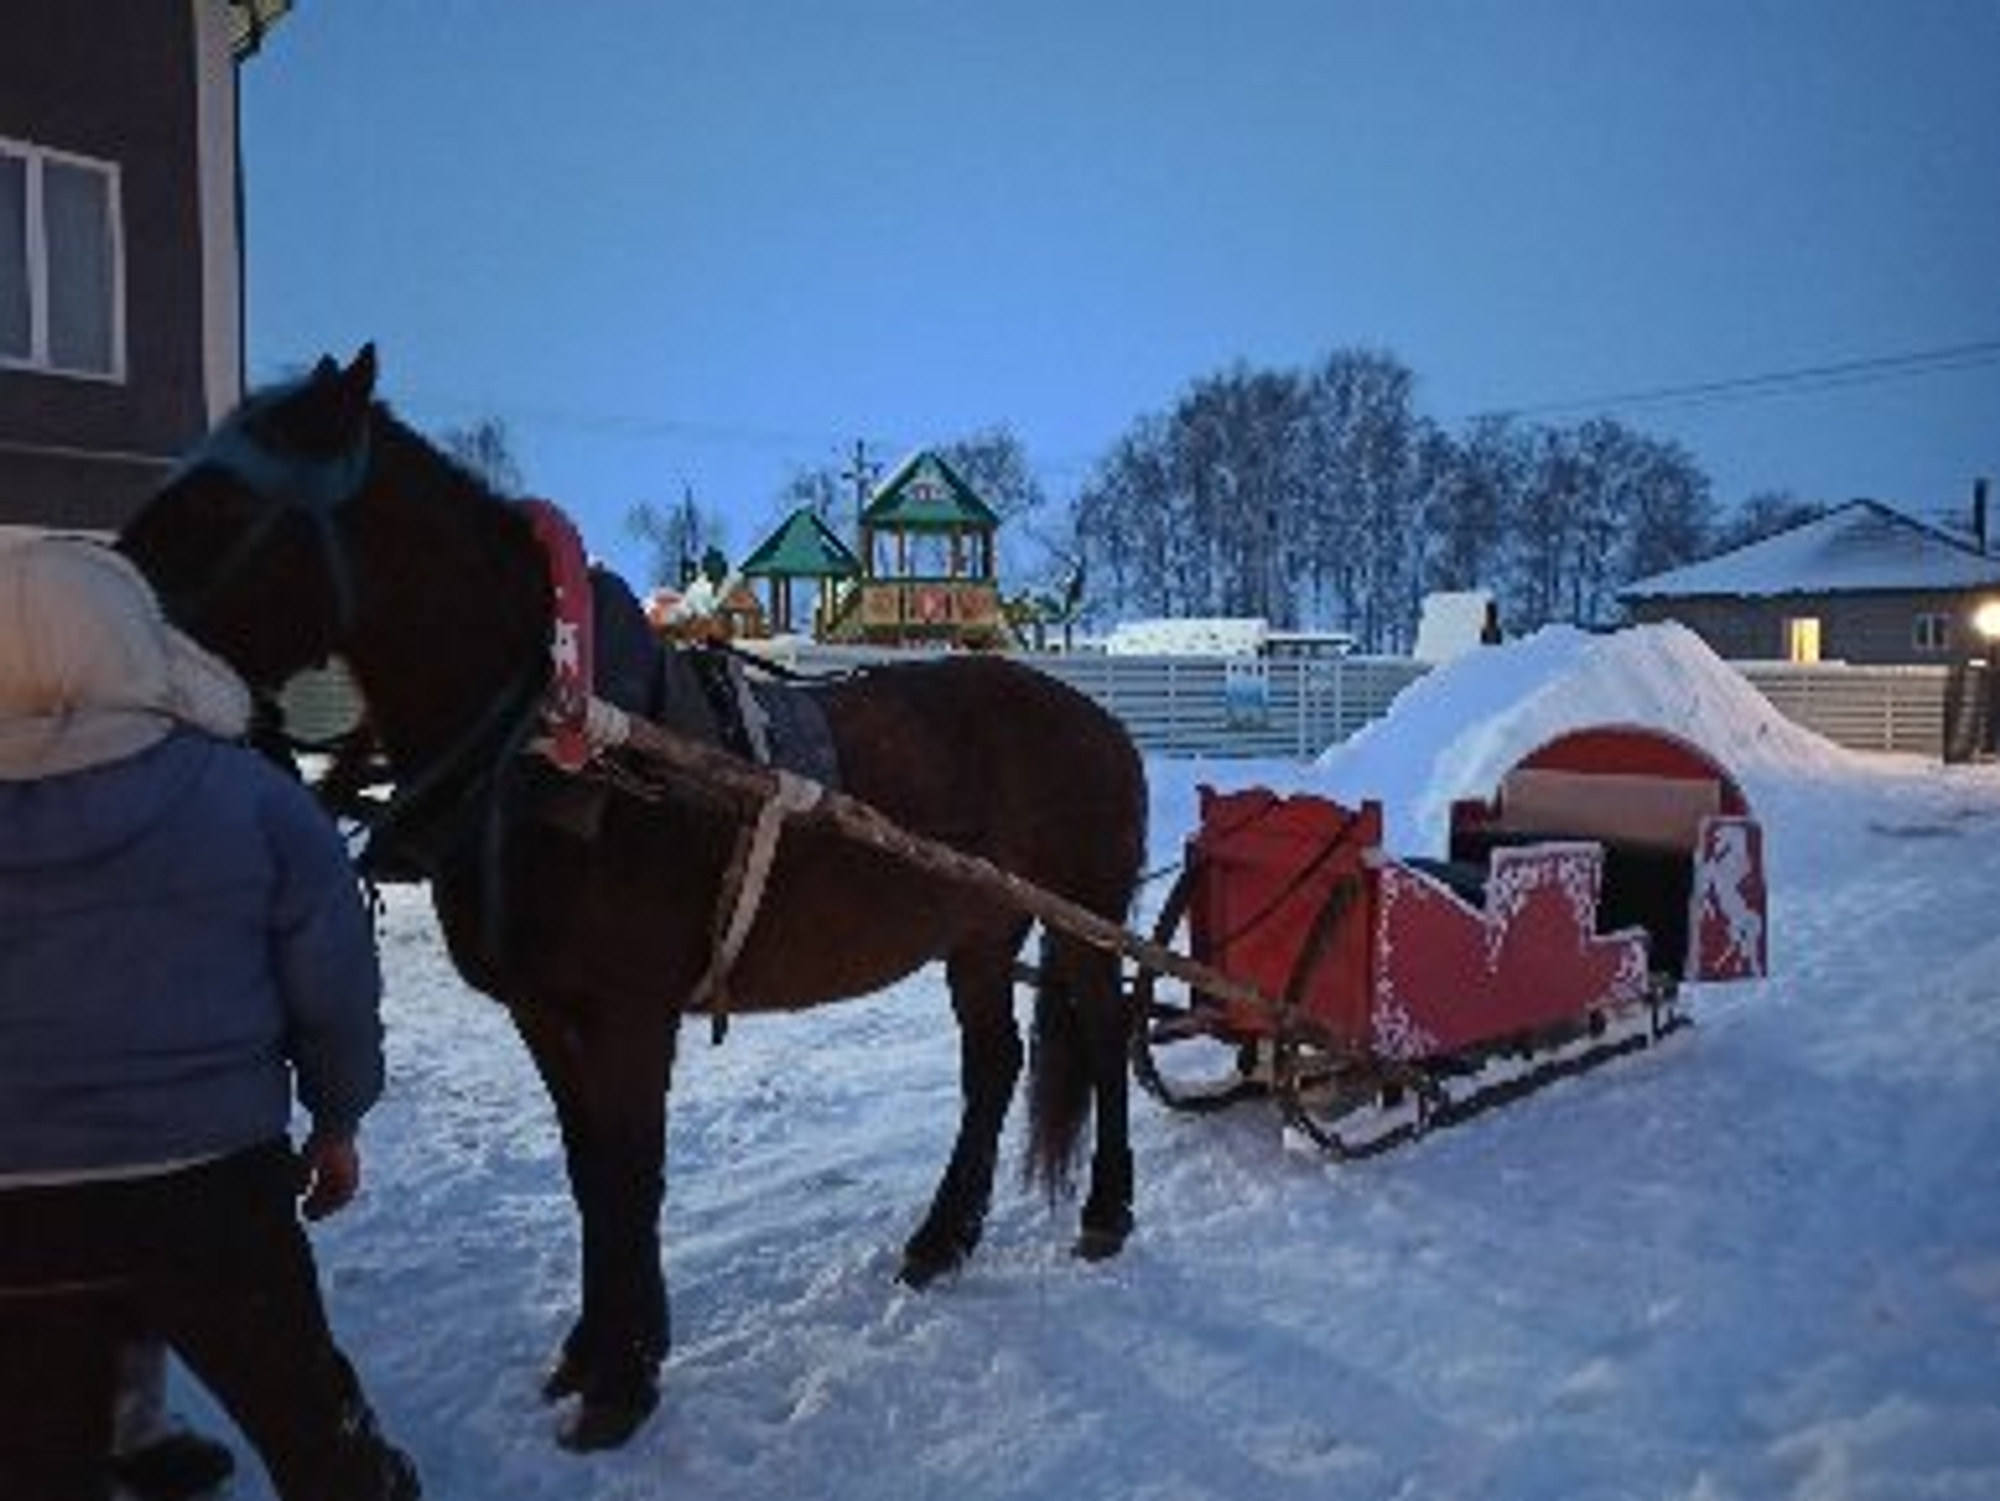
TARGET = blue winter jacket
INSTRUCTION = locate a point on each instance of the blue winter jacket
(180, 935)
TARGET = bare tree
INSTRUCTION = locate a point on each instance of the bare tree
(1765, 514)
(485, 448)
(676, 538)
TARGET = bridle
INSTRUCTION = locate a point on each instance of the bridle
(437, 802)
(317, 488)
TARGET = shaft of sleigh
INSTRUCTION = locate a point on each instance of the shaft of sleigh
(719, 773)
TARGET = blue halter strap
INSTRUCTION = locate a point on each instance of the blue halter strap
(287, 482)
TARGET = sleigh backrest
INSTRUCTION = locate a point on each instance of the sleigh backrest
(1683, 854)
(1620, 807)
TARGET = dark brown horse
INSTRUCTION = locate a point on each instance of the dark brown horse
(313, 523)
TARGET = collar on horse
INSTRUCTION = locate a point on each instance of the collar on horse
(572, 648)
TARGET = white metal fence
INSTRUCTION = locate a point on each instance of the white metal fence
(1215, 706)
(1209, 706)
(1863, 708)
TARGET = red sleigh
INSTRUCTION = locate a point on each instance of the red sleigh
(1610, 865)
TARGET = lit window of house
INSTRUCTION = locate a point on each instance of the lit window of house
(1802, 638)
(61, 263)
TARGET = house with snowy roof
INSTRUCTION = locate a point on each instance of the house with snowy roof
(1864, 583)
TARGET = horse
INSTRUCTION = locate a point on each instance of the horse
(313, 524)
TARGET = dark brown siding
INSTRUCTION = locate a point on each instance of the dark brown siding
(1866, 629)
(119, 85)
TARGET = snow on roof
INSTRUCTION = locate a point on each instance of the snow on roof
(1455, 732)
(1857, 547)
(1209, 636)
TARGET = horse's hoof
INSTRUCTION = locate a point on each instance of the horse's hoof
(1099, 1245)
(604, 1425)
(919, 1272)
(929, 1255)
(564, 1379)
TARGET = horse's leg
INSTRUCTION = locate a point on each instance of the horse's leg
(609, 1078)
(1103, 1028)
(554, 1044)
(1107, 1211)
(990, 1057)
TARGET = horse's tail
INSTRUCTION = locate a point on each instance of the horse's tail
(1060, 1060)
(1058, 1076)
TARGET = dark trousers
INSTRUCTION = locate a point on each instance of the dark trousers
(213, 1260)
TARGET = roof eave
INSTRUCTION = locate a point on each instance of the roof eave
(251, 21)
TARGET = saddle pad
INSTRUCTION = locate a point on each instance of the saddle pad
(703, 692)
(800, 739)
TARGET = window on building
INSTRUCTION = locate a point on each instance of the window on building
(1802, 638)
(61, 263)
(1930, 634)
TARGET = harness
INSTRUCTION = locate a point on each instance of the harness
(546, 708)
(576, 729)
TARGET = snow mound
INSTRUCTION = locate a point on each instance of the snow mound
(1453, 733)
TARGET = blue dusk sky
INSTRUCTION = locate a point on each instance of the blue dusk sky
(699, 246)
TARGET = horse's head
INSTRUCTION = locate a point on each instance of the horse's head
(244, 542)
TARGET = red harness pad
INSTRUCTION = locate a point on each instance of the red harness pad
(571, 671)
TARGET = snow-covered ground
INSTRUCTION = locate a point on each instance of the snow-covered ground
(1761, 1261)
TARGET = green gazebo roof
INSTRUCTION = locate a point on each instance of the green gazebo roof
(802, 548)
(927, 495)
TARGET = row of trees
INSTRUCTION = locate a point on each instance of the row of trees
(1313, 498)
(1322, 497)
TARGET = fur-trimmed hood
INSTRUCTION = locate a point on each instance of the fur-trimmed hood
(90, 670)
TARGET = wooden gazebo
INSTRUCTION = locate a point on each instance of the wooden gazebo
(927, 561)
(803, 549)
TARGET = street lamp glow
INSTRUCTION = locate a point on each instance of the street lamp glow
(1986, 620)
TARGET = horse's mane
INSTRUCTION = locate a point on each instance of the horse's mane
(455, 498)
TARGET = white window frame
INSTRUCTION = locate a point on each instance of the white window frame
(1930, 633)
(39, 358)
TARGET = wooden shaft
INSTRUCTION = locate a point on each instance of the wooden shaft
(718, 772)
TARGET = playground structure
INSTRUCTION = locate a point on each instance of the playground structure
(923, 572)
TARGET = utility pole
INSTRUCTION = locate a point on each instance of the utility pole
(860, 472)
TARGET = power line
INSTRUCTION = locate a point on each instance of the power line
(1803, 379)
(791, 444)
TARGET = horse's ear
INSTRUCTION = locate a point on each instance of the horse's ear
(349, 392)
(360, 373)
(332, 409)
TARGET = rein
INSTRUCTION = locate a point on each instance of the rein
(408, 833)
(541, 707)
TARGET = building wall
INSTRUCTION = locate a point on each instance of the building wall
(1866, 629)
(123, 84)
